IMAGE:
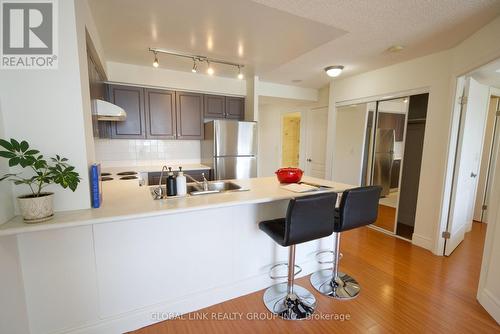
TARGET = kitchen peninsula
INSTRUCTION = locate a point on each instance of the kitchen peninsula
(114, 268)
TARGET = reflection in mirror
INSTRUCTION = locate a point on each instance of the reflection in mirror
(388, 156)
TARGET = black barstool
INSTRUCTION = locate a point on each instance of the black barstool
(307, 218)
(358, 207)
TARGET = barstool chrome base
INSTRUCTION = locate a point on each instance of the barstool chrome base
(297, 306)
(345, 286)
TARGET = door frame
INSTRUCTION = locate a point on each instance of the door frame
(494, 92)
(454, 146)
(303, 130)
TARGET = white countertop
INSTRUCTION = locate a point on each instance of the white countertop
(125, 200)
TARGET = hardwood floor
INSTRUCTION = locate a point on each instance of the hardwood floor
(386, 218)
(404, 289)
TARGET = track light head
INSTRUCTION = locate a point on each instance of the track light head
(210, 69)
(155, 61)
(195, 66)
(240, 75)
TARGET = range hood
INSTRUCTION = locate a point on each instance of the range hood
(108, 111)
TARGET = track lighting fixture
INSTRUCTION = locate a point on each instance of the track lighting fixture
(197, 59)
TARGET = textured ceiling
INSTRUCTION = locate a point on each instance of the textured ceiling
(423, 26)
(287, 41)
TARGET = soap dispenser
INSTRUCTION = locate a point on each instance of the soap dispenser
(181, 183)
(171, 185)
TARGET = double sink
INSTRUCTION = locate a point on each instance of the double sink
(194, 189)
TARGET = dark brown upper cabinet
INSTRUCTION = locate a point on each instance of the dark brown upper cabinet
(189, 115)
(235, 107)
(166, 114)
(160, 114)
(214, 106)
(131, 99)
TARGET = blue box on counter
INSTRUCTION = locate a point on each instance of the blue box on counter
(95, 185)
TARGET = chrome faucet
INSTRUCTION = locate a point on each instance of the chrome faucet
(204, 184)
(159, 190)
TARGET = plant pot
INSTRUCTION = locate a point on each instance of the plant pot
(36, 209)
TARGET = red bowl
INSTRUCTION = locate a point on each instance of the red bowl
(289, 175)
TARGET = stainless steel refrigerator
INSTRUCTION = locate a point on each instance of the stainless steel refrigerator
(384, 158)
(230, 149)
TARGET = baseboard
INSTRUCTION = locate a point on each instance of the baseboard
(160, 312)
(490, 303)
(422, 241)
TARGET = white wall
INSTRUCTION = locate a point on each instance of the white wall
(6, 202)
(45, 108)
(349, 143)
(121, 152)
(288, 92)
(437, 73)
(488, 292)
(160, 77)
(431, 72)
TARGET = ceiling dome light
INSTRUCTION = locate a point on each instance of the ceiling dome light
(155, 61)
(210, 69)
(334, 71)
(195, 66)
(240, 75)
(395, 48)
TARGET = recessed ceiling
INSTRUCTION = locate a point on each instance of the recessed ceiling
(423, 27)
(286, 40)
(239, 31)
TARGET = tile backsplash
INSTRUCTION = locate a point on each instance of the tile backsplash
(139, 152)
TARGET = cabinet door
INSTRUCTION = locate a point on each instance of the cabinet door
(160, 114)
(189, 115)
(131, 99)
(214, 106)
(235, 107)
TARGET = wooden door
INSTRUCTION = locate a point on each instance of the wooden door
(189, 115)
(235, 107)
(472, 124)
(131, 99)
(160, 114)
(317, 121)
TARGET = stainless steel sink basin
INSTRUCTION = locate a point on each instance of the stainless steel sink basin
(214, 187)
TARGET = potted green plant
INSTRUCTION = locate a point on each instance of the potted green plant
(37, 206)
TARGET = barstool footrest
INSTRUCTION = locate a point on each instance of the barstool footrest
(296, 272)
(326, 251)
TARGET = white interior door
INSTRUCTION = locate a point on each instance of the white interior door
(473, 118)
(317, 120)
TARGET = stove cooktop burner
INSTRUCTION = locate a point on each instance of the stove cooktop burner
(129, 178)
(106, 178)
(127, 173)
